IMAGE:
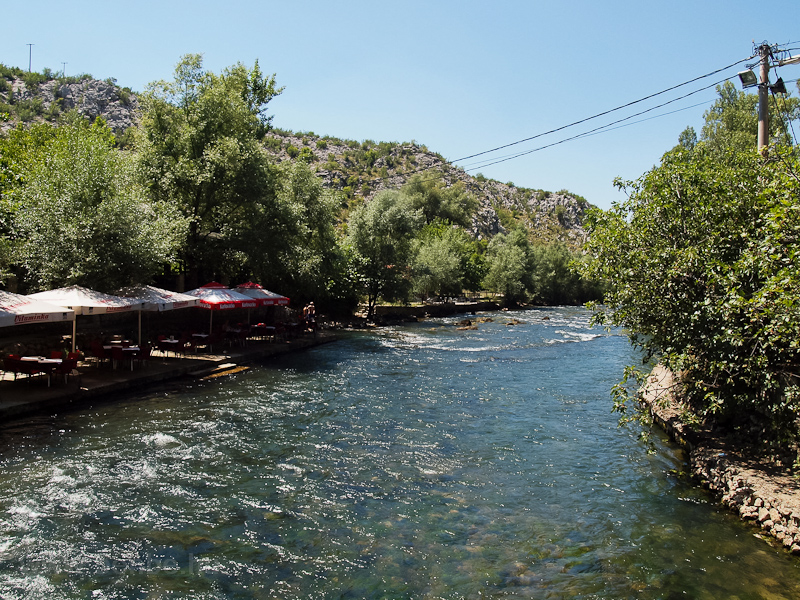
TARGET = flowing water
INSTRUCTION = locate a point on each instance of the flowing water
(422, 461)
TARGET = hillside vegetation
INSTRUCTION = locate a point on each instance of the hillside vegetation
(358, 169)
(232, 198)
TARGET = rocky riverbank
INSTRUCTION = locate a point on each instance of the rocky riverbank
(759, 489)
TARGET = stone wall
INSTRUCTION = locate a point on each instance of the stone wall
(760, 491)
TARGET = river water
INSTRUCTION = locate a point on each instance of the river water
(421, 461)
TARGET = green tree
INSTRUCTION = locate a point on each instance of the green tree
(438, 263)
(80, 214)
(306, 258)
(380, 234)
(509, 261)
(731, 124)
(199, 148)
(700, 262)
(436, 200)
(554, 282)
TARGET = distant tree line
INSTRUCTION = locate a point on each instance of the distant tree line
(194, 196)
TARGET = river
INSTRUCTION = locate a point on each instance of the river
(418, 461)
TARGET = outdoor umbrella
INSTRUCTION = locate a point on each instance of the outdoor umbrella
(267, 298)
(157, 299)
(16, 309)
(87, 302)
(215, 296)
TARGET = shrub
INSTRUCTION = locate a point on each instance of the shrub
(322, 144)
(33, 79)
(292, 151)
(28, 110)
(273, 143)
(124, 95)
(307, 155)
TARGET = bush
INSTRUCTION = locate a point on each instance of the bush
(307, 155)
(273, 143)
(700, 260)
(33, 80)
(28, 110)
(292, 151)
(322, 144)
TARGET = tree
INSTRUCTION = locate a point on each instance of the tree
(731, 124)
(199, 147)
(437, 266)
(554, 281)
(81, 216)
(509, 262)
(303, 258)
(438, 201)
(700, 265)
(379, 239)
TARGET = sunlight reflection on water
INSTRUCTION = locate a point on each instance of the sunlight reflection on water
(415, 462)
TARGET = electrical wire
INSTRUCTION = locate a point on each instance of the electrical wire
(603, 127)
(595, 131)
(602, 113)
(470, 167)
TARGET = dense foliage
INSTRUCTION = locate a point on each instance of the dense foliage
(701, 264)
(197, 193)
(77, 212)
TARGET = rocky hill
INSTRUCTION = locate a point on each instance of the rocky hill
(357, 169)
(33, 100)
(362, 169)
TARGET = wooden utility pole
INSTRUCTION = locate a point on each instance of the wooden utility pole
(30, 56)
(763, 101)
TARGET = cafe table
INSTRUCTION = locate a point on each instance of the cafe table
(45, 365)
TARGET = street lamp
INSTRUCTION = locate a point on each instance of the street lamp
(748, 78)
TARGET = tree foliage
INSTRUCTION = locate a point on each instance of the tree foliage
(731, 124)
(509, 260)
(199, 148)
(436, 200)
(295, 248)
(380, 235)
(80, 215)
(700, 262)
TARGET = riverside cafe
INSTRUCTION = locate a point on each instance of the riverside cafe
(65, 304)
(16, 309)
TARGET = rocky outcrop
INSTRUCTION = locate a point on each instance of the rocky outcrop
(356, 168)
(364, 169)
(90, 97)
(759, 490)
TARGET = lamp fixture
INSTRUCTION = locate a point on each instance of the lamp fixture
(748, 79)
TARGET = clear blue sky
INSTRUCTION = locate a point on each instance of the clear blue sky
(458, 76)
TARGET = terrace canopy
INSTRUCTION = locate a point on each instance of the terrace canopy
(87, 302)
(157, 299)
(256, 291)
(215, 296)
(16, 309)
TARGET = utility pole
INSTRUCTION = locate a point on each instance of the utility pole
(30, 56)
(63, 69)
(763, 99)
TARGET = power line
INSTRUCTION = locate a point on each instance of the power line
(599, 130)
(603, 127)
(602, 113)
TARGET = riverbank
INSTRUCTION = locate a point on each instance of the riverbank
(761, 491)
(29, 396)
